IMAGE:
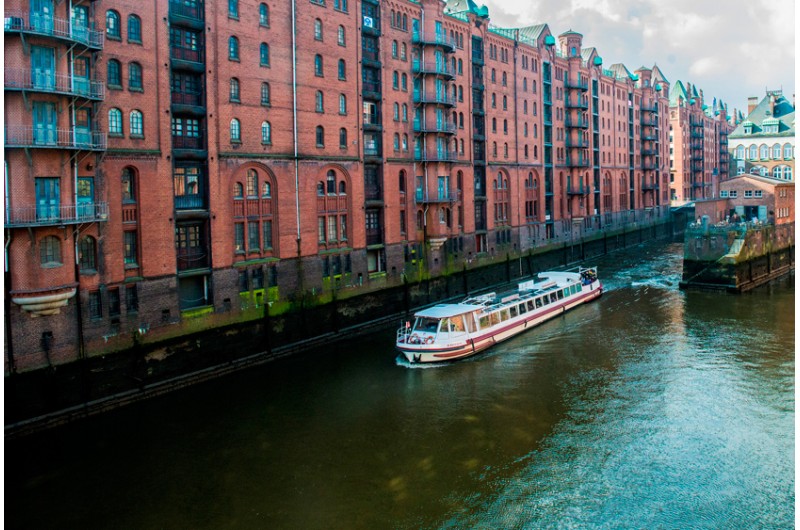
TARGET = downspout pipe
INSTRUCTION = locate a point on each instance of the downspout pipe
(7, 283)
(294, 117)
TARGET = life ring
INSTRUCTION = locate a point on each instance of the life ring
(429, 340)
(414, 339)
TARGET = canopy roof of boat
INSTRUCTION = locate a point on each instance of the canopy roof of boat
(447, 310)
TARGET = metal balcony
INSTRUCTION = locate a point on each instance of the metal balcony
(576, 104)
(582, 85)
(432, 68)
(193, 258)
(649, 186)
(79, 140)
(50, 26)
(436, 39)
(578, 161)
(579, 143)
(436, 156)
(440, 196)
(52, 83)
(649, 108)
(65, 214)
(434, 98)
(576, 123)
(580, 189)
(189, 58)
(189, 14)
(443, 127)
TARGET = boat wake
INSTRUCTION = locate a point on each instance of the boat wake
(400, 360)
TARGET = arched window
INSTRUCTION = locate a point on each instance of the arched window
(405, 112)
(494, 124)
(112, 24)
(263, 15)
(494, 101)
(266, 133)
(394, 49)
(114, 73)
(505, 150)
(401, 181)
(234, 92)
(403, 51)
(263, 54)
(134, 29)
(115, 122)
(396, 141)
(342, 104)
(50, 251)
(396, 111)
(135, 76)
(266, 190)
(128, 185)
(787, 151)
(525, 151)
(494, 148)
(319, 101)
(460, 67)
(460, 93)
(320, 136)
(404, 82)
(238, 190)
(236, 131)
(342, 188)
(776, 151)
(233, 8)
(753, 152)
(252, 183)
(343, 138)
(320, 188)
(233, 48)
(317, 29)
(342, 70)
(86, 254)
(405, 142)
(136, 123)
(318, 65)
(740, 152)
(341, 37)
(505, 79)
(505, 103)
(265, 94)
(764, 151)
(331, 182)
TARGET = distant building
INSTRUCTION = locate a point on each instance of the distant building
(763, 144)
(750, 197)
(698, 136)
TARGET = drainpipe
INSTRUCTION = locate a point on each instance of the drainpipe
(294, 116)
(7, 283)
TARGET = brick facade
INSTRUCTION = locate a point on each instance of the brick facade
(238, 155)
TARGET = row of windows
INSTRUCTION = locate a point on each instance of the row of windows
(135, 123)
(763, 152)
(339, 5)
(778, 172)
(50, 252)
(263, 12)
(319, 34)
(114, 75)
(114, 27)
(748, 194)
(113, 296)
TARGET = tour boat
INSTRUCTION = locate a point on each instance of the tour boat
(446, 332)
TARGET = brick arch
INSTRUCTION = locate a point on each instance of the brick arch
(239, 175)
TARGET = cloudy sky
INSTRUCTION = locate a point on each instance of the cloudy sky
(731, 49)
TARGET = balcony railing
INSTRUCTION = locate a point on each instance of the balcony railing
(433, 97)
(188, 10)
(187, 98)
(653, 107)
(50, 82)
(649, 186)
(50, 26)
(40, 137)
(577, 161)
(372, 57)
(436, 156)
(192, 258)
(582, 85)
(371, 89)
(19, 216)
(190, 202)
(580, 104)
(580, 142)
(436, 127)
(188, 142)
(435, 39)
(649, 120)
(189, 55)
(423, 197)
(432, 67)
(649, 165)
(577, 123)
(578, 189)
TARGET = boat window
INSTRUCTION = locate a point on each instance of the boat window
(539, 302)
(530, 305)
(428, 325)
(513, 311)
(445, 325)
(561, 293)
(457, 323)
(573, 289)
(484, 321)
(522, 309)
(495, 318)
(553, 298)
(504, 314)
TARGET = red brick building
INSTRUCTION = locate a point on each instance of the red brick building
(176, 162)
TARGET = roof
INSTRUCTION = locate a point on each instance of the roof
(676, 93)
(533, 32)
(757, 178)
(621, 72)
(781, 113)
(447, 310)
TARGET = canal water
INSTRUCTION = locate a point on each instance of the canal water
(649, 408)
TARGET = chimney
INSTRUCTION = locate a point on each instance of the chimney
(752, 103)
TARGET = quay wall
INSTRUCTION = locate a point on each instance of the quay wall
(152, 364)
(736, 258)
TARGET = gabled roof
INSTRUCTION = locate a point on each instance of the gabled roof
(534, 32)
(782, 115)
(676, 93)
(658, 73)
(621, 72)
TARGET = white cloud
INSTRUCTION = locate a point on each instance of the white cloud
(731, 49)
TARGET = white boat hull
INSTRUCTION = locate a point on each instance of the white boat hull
(467, 345)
